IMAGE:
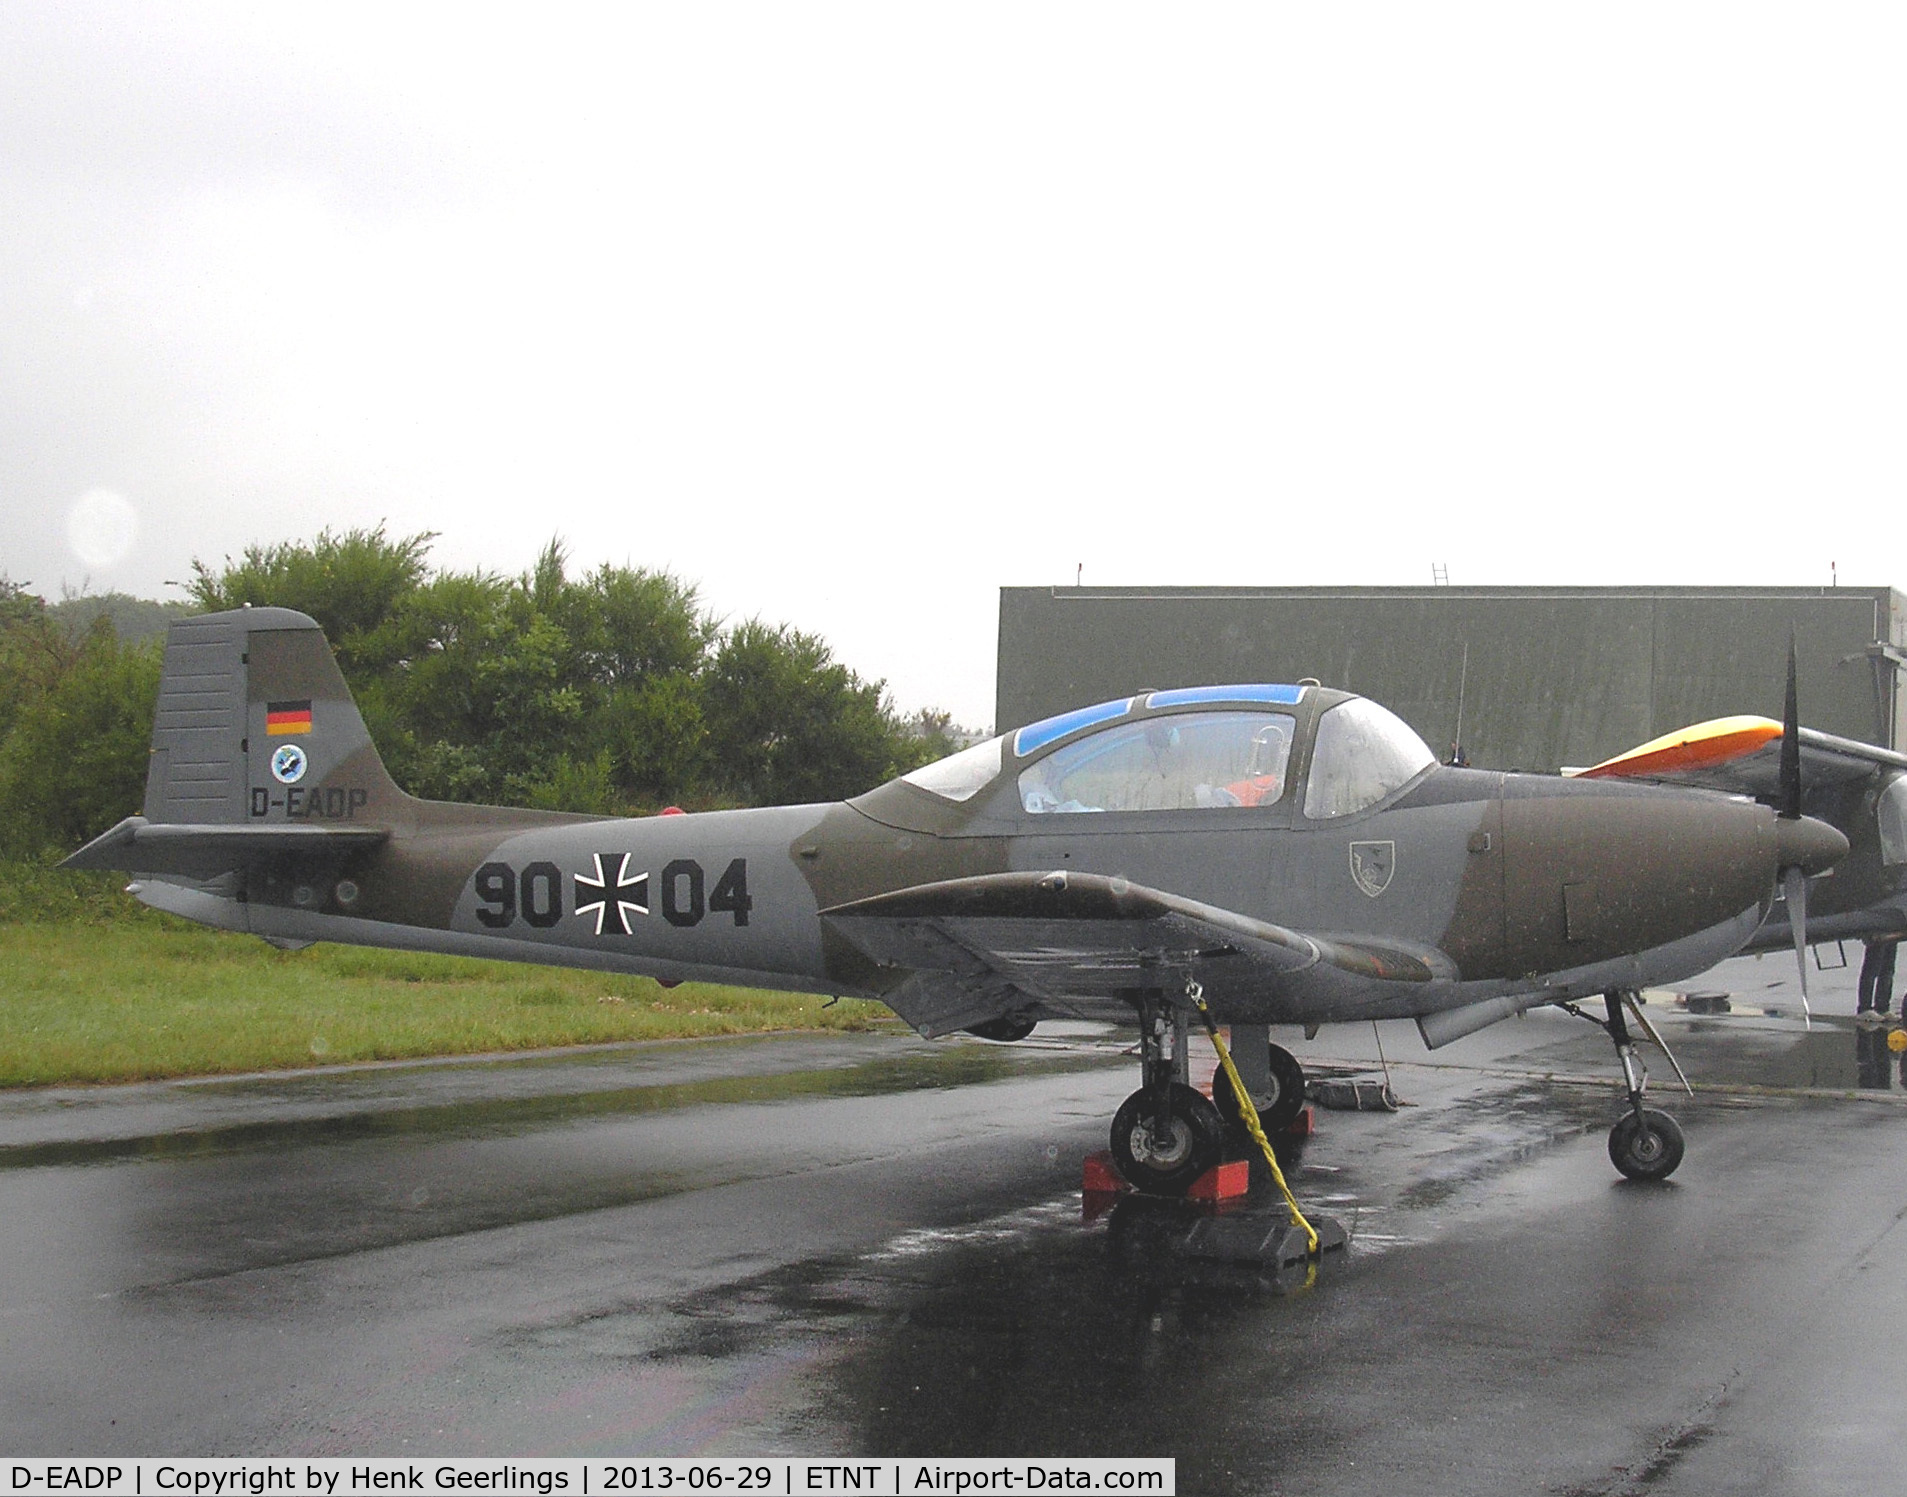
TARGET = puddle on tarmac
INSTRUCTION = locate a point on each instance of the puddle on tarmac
(1836, 1054)
(1032, 1330)
(953, 1065)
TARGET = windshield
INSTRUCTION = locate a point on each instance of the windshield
(1363, 753)
(963, 775)
(1206, 759)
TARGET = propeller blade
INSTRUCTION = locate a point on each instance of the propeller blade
(1794, 878)
(1788, 801)
(1794, 885)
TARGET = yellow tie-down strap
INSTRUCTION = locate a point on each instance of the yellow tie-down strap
(1250, 1114)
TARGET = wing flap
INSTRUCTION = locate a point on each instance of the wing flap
(1040, 940)
(204, 852)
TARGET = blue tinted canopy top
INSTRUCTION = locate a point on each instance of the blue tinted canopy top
(1035, 736)
(1218, 696)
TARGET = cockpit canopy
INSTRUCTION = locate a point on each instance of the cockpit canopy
(1204, 748)
(1197, 759)
(1362, 753)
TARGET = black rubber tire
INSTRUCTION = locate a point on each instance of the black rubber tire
(1278, 1106)
(1650, 1155)
(1168, 1166)
(1006, 1029)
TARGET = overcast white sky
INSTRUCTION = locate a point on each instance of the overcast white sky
(854, 313)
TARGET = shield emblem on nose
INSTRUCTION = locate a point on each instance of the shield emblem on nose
(1372, 864)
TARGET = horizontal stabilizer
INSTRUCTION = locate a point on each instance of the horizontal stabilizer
(204, 852)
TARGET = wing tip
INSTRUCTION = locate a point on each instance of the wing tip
(1703, 745)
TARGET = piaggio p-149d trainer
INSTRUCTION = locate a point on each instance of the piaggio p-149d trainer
(1294, 851)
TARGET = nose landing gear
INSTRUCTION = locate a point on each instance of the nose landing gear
(1645, 1144)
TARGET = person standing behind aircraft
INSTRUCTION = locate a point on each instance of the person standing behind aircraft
(1876, 991)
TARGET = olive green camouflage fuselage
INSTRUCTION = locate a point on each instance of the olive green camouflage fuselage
(1462, 890)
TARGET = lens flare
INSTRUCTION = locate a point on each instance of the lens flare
(101, 527)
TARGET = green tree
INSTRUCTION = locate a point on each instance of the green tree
(612, 691)
(34, 652)
(133, 619)
(511, 689)
(572, 785)
(478, 692)
(74, 761)
(658, 739)
(351, 584)
(642, 625)
(936, 735)
(787, 722)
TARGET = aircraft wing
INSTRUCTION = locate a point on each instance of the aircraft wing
(204, 852)
(1742, 755)
(974, 949)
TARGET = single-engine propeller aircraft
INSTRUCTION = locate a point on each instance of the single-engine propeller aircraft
(1295, 853)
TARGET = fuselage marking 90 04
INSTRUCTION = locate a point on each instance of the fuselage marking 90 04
(609, 893)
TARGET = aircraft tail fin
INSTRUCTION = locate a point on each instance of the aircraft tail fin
(256, 727)
(261, 763)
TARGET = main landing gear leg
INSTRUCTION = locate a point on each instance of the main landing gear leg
(1272, 1075)
(1166, 1134)
(1644, 1144)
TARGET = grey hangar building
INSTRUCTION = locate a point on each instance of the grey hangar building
(1532, 678)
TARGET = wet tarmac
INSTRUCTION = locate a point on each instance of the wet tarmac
(873, 1245)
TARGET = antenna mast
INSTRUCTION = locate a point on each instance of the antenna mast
(1457, 755)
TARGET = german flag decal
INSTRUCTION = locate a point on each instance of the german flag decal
(287, 717)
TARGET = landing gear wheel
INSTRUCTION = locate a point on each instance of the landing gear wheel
(1166, 1159)
(1278, 1105)
(1006, 1029)
(1649, 1149)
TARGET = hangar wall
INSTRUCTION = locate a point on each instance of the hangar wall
(1554, 676)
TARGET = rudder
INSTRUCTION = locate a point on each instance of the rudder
(256, 726)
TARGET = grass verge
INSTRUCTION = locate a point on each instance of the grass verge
(94, 988)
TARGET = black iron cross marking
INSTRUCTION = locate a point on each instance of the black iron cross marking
(609, 889)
